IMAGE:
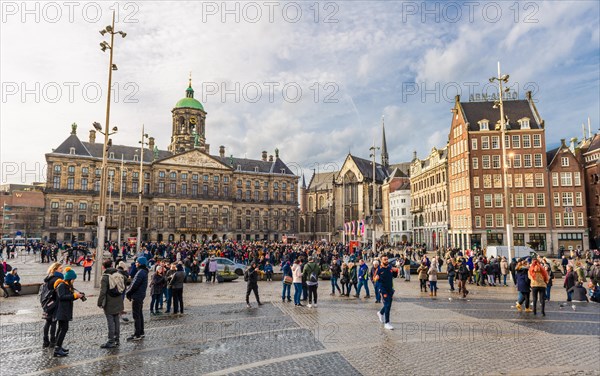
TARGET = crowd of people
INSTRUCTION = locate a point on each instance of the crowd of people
(161, 270)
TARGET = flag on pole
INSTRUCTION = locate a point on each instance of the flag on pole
(351, 227)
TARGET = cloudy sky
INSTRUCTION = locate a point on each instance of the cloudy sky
(312, 79)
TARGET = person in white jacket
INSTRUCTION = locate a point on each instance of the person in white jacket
(297, 280)
(433, 272)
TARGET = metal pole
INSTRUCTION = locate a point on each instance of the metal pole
(120, 201)
(140, 189)
(343, 210)
(101, 215)
(373, 149)
(509, 229)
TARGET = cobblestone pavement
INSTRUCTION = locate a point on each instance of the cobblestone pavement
(218, 335)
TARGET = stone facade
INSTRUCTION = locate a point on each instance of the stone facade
(187, 193)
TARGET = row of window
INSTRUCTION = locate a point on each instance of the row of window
(567, 179)
(430, 181)
(517, 141)
(399, 226)
(430, 198)
(516, 180)
(520, 220)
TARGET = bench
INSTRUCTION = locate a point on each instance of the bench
(26, 289)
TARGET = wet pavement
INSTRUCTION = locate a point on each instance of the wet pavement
(218, 335)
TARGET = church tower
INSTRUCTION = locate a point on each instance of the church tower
(189, 120)
(385, 159)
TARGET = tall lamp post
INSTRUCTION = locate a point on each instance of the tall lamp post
(143, 144)
(110, 29)
(503, 79)
(373, 150)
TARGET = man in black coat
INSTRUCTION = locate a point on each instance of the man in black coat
(136, 294)
(252, 280)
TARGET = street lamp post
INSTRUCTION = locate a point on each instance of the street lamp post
(110, 29)
(499, 104)
(120, 201)
(373, 150)
(143, 143)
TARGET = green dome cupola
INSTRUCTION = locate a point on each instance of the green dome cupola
(189, 101)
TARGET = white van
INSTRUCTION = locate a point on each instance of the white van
(499, 251)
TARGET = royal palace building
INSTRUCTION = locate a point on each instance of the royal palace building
(187, 192)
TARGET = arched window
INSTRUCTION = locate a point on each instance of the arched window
(310, 204)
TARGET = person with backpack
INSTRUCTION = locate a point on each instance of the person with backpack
(297, 280)
(287, 281)
(110, 300)
(523, 285)
(311, 273)
(373, 272)
(463, 276)
(251, 278)
(136, 292)
(49, 302)
(87, 267)
(66, 295)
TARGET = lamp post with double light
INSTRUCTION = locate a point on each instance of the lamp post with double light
(503, 79)
(110, 29)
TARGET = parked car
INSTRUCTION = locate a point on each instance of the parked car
(222, 262)
(413, 265)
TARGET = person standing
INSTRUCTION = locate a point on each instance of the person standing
(523, 285)
(504, 269)
(352, 278)
(297, 280)
(66, 295)
(363, 278)
(195, 269)
(569, 282)
(136, 292)
(345, 280)
(177, 280)
(55, 272)
(110, 300)
(2, 278)
(251, 277)
(286, 285)
(335, 276)
(311, 273)
(384, 276)
(157, 286)
(451, 273)
(374, 270)
(539, 279)
(406, 268)
(512, 268)
(432, 273)
(87, 267)
(169, 287)
(212, 269)
(548, 268)
(422, 271)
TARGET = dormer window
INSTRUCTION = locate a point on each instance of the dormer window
(72, 151)
(239, 167)
(484, 125)
(256, 169)
(283, 170)
(111, 155)
(135, 158)
(524, 122)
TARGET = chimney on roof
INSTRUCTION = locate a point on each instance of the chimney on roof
(573, 144)
(151, 143)
(92, 136)
(264, 155)
(528, 95)
(222, 151)
(414, 155)
(563, 144)
(271, 158)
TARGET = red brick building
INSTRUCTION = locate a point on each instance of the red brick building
(590, 156)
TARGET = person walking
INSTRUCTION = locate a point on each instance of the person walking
(157, 285)
(336, 270)
(177, 281)
(432, 273)
(539, 279)
(311, 273)
(297, 280)
(463, 276)
(2, 279)
(251, 277)
(136, 292)
(50, 303)
(345, 280)
(66, 295)
(523, 285)
(373, 273)
(548, 268)
(384, 276)
(352, 278)
(363, 278)
(110, 300)
(286, 282)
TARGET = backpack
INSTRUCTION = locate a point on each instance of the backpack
(313, 277)
(47, 298)
(116, 284)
